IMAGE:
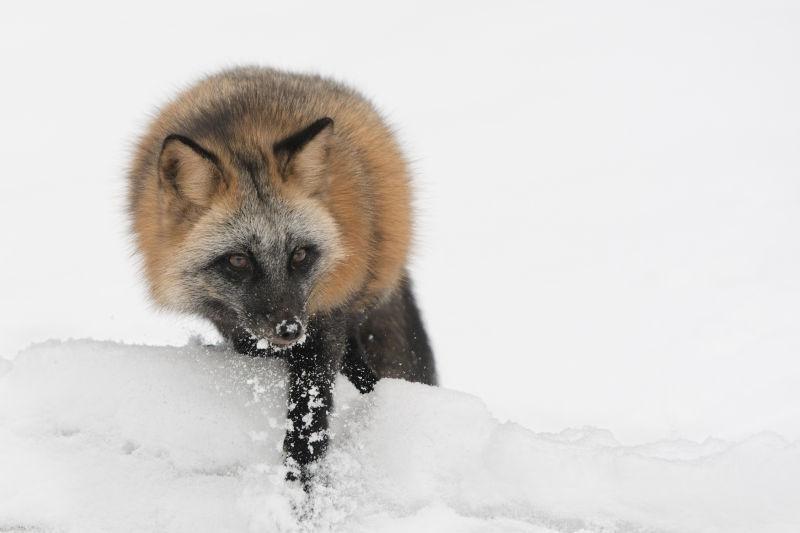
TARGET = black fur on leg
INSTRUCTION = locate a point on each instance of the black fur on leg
(310, 401)
(392, 341)
(312, 369)
(355, 368)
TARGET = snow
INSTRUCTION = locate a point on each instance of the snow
(608, 209)
(101, 436)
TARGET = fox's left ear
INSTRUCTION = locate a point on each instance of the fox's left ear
(302, 155)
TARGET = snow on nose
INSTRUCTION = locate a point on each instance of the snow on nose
(289, 330)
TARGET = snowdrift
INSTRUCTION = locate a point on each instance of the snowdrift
(98, 436)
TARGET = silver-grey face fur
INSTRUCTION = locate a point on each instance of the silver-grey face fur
(267, 230)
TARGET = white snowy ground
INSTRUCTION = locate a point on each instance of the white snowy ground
(618, 180)
(101, 437)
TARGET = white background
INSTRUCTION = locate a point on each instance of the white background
(608, 192)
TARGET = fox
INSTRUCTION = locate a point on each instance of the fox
(278, 206)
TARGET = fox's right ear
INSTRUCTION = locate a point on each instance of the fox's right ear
(188, 170)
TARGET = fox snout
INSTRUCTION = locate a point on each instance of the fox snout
(288, 331)
(279, 331)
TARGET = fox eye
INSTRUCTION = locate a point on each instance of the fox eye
(302, 258)
(239, 261)
(299, 256)
(236, 267)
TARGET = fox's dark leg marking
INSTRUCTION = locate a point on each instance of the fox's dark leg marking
(312, 370)
(355, 368)
(391, 340)
(310, 401)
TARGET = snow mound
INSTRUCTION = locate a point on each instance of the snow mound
(103, 437)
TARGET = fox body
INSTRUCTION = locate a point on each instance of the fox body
(277, 205)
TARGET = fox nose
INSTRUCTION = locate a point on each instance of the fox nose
(289, 330)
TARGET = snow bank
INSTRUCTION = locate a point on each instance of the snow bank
(107, 437)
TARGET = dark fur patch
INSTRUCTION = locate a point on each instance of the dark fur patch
(392, 340)
(191, 144)
(255, 167)
(355, 368)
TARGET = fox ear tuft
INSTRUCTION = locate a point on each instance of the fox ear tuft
(188, 170)
(302, 155)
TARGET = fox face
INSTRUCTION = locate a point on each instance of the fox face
(256, 239)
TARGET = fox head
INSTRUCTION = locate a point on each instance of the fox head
(250, 207)
(247, 237)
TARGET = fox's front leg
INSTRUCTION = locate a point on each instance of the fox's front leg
(310, 401)
(312, 370)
